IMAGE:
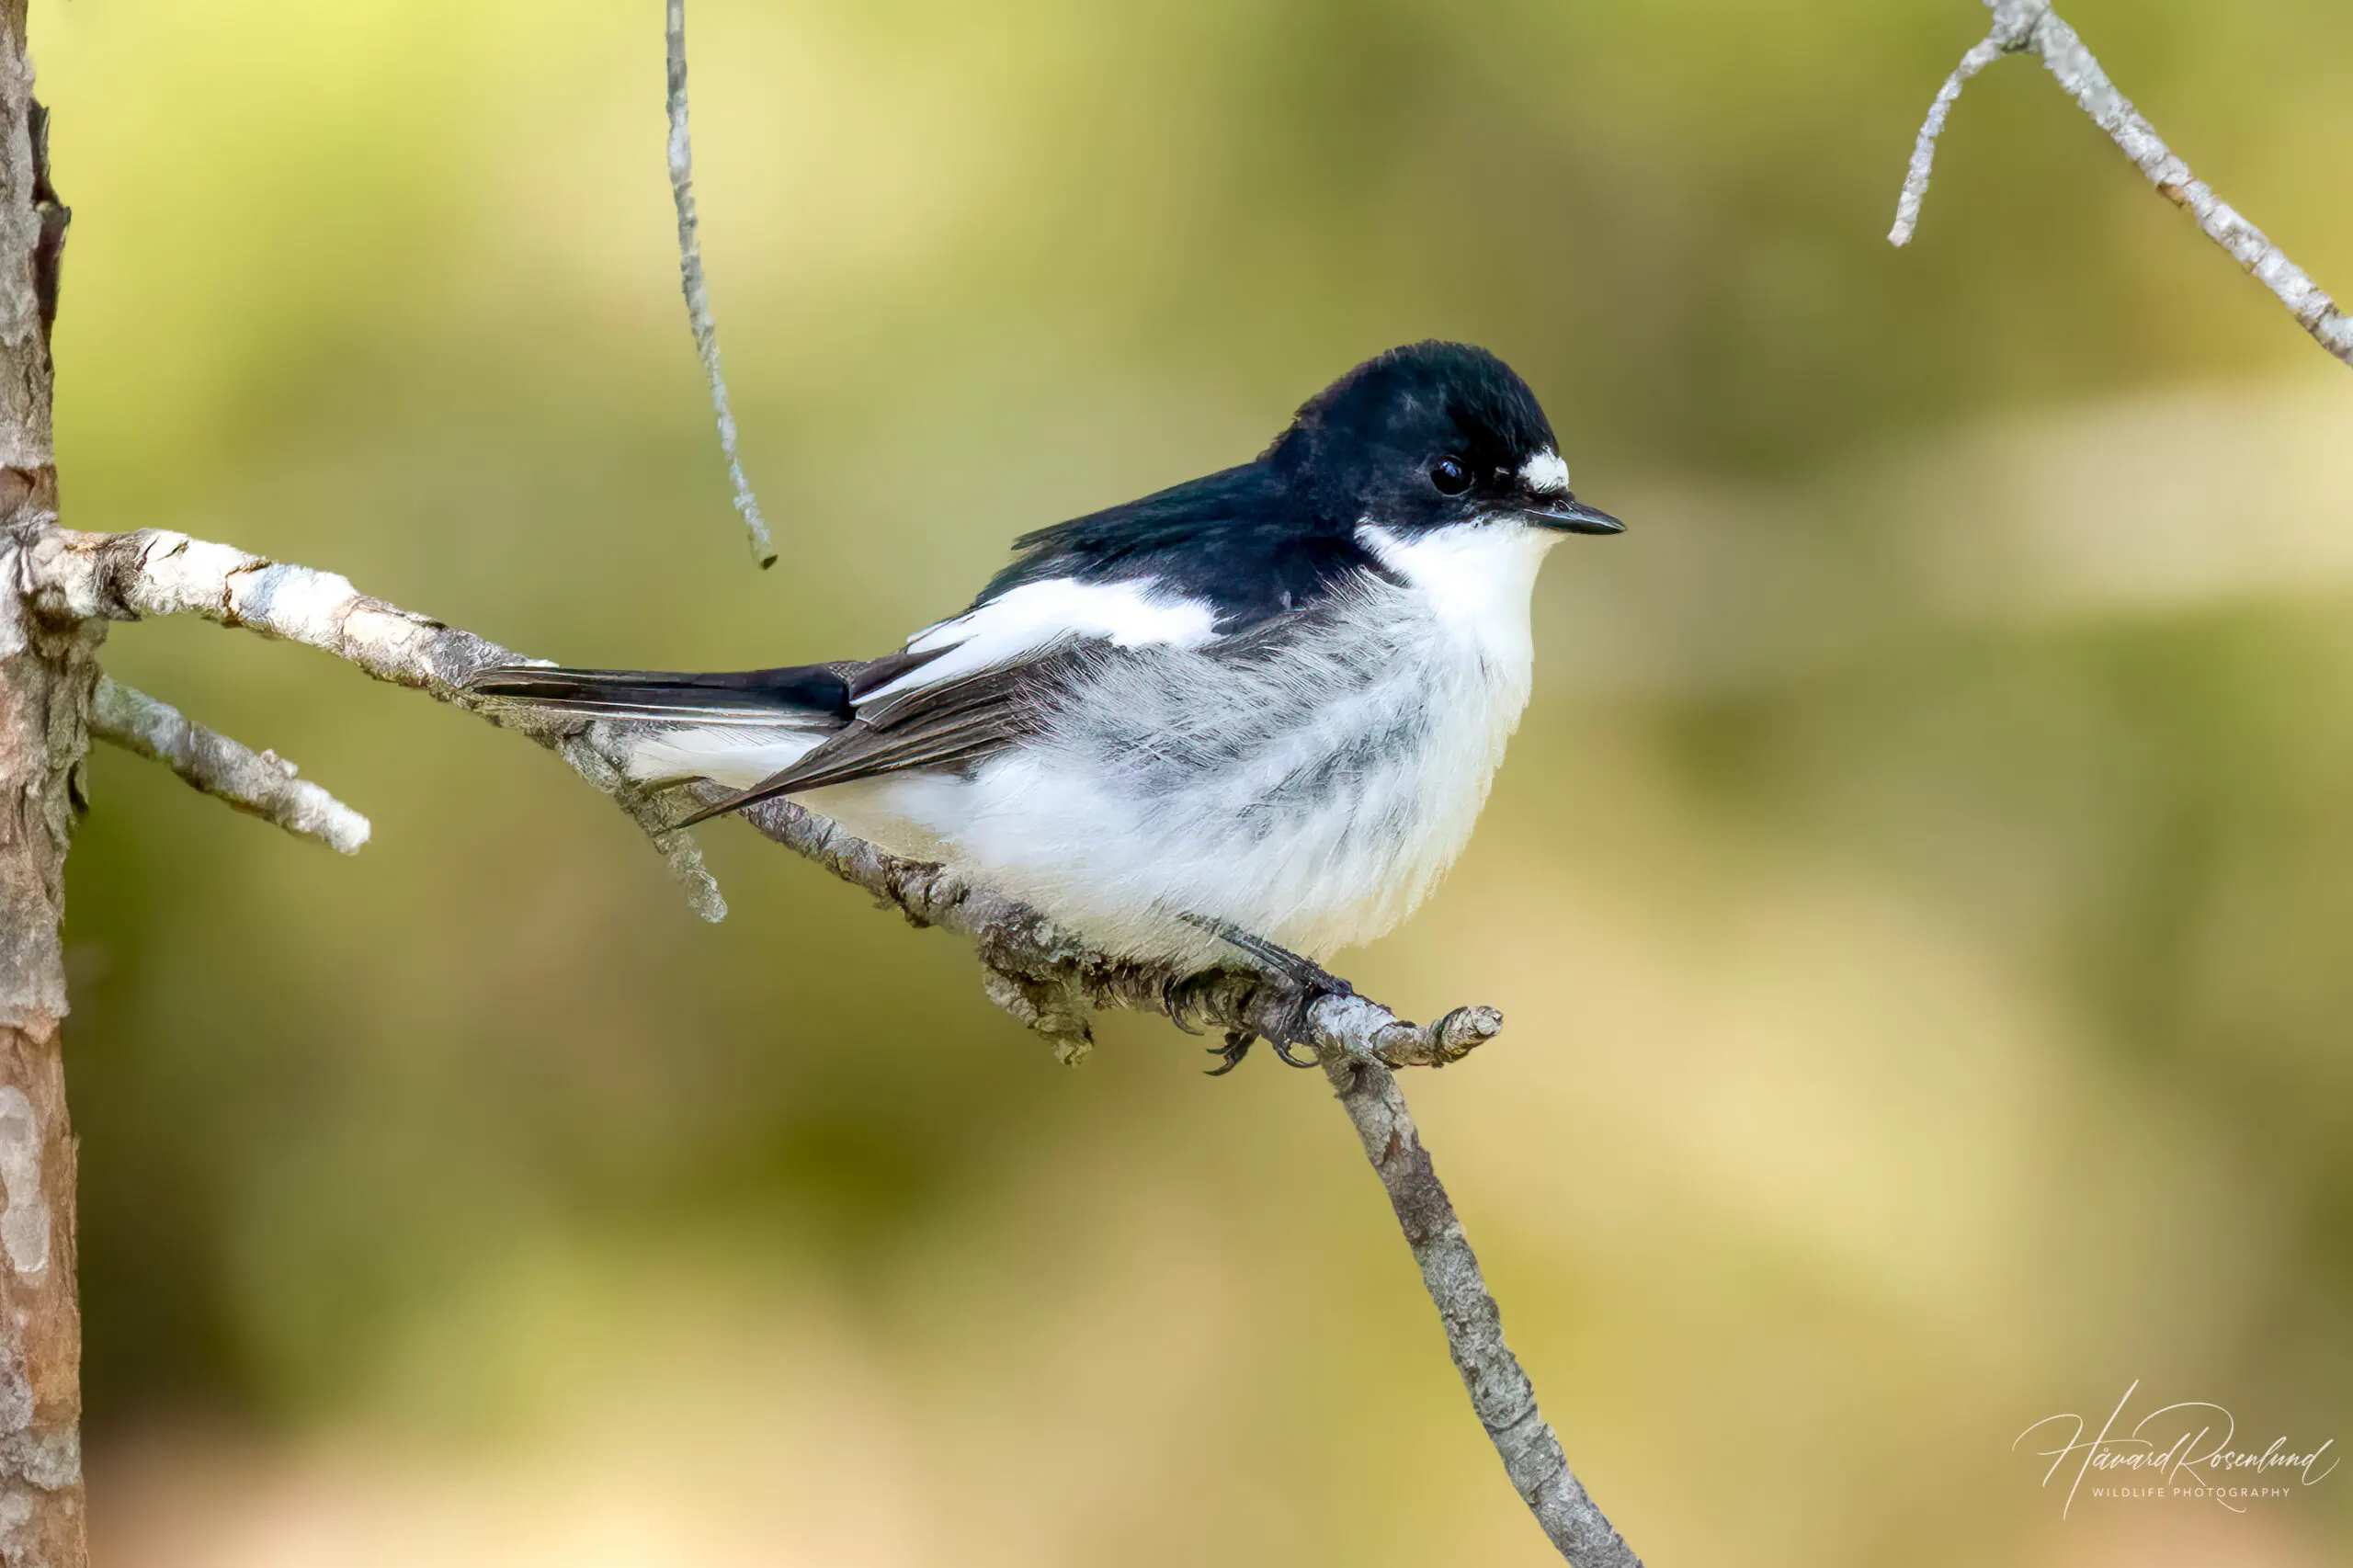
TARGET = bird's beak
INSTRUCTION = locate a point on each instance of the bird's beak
(1571, 515)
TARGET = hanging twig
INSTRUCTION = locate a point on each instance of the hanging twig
(2020, 25)
(1982, 53)
(682, 192)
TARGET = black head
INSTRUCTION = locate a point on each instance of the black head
(1430, 435)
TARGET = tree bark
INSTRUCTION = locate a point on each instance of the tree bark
(47, 672)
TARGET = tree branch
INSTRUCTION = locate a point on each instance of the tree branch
(682, 194)
(127, 576)
(1051, 980)
(1039, 971)
(1982, 53)
(1035, 969)
(1500, 1391)
(261, 783)
(2032, 25)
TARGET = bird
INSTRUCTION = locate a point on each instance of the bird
(1257, 712)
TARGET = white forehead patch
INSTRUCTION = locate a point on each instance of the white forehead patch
(1545, 473)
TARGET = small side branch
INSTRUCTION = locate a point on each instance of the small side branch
(2020, 25)
(1500, 1392)
(261, 783)
(131, 576)
(706, 331)
(1982, 53)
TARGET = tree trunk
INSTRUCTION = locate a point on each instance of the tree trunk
(46, 675)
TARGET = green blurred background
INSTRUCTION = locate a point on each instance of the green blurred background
(1922, 892)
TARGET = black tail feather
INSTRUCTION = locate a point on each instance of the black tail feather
(741, 695)
(734, 802)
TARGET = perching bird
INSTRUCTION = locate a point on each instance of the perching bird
(1259, 710)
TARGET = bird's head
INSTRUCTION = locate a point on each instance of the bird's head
(1432, 436)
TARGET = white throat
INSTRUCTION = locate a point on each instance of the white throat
(1479, 579)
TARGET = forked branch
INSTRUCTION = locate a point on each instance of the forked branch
(1040, 974)
(2024, 26)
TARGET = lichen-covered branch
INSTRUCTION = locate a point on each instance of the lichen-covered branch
(1500, 1391)
(690, 279)
(1040, 973)
(2023, 26)
(1982, 53)
(1051, 980)
(127, 576)
(262, 783)
(1036, 970)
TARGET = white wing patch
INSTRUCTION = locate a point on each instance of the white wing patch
(1545, 473)
(1038, 615)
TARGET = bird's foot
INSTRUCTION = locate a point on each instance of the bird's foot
(1237, 1046)
(1309, 982)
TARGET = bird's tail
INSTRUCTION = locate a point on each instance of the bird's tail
(737, 726)
(805, 691)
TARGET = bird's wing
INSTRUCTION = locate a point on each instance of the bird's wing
(966, 689)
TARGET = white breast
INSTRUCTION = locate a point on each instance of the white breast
(1479, 580)
(1313, 793)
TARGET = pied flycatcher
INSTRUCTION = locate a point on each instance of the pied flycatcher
(1258, 711)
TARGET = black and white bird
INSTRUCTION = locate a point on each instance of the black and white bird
(1258, 710)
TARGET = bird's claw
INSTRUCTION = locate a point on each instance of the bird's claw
(1237, 1046)
(1309, 981)
(1282, 1049)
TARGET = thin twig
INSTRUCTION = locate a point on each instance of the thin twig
(260, 783)
(2023, 25)
(1923, 150)
(690, 278)
(1500, 1392)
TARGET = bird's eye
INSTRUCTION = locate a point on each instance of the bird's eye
(1451, 477)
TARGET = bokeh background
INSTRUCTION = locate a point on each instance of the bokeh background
(1922, 892)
